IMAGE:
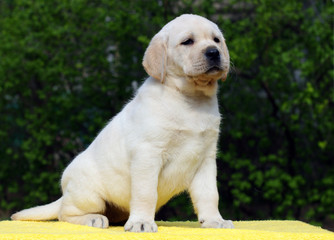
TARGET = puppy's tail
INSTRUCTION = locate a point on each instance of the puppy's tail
(46, 212)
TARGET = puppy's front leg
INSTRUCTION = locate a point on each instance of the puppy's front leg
(204, 195)
(145, 169)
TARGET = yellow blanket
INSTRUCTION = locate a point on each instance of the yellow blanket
(247, 230)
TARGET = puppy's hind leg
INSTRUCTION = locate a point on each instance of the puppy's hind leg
(83, 211)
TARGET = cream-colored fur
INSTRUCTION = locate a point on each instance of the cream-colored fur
(162, 143)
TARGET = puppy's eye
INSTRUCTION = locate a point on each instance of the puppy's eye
(216, 40)
(188, 42)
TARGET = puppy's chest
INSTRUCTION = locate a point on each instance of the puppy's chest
(188, 145)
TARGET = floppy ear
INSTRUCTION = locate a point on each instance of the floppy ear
(227, 58)
(155, 57)
(224, 77)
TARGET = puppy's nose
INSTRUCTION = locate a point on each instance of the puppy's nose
(212, 54)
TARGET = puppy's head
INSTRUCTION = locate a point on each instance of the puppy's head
(190, 54)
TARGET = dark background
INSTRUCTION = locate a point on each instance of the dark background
(67, 67)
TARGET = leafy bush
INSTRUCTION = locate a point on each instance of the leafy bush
(277, 135)
(66, 67)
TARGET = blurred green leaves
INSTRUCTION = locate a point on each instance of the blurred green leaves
(277, 135)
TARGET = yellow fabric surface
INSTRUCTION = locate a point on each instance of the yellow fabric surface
(249, 230)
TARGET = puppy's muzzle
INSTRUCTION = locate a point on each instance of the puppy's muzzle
(213, 57)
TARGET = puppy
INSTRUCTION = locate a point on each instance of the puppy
(162, 143)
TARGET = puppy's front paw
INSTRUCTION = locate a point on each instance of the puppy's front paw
(216, 223)
(97, 220)
(140, 226)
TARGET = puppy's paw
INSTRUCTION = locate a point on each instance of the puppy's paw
(140, 226)
(97, 220)
(216, 223)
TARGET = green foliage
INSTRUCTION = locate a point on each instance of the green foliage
(66, 67)
(64, 72)
(277, 136)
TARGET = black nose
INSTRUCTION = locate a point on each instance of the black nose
(212, 54)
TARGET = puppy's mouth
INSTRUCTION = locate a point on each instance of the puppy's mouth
(203, 83)
(208, 75)
(206, 79)
(213, 70)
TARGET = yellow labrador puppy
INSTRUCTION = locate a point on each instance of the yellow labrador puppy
(162, 143)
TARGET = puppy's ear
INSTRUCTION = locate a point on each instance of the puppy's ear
(224, 76)
(155, 57)
(227, 59)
